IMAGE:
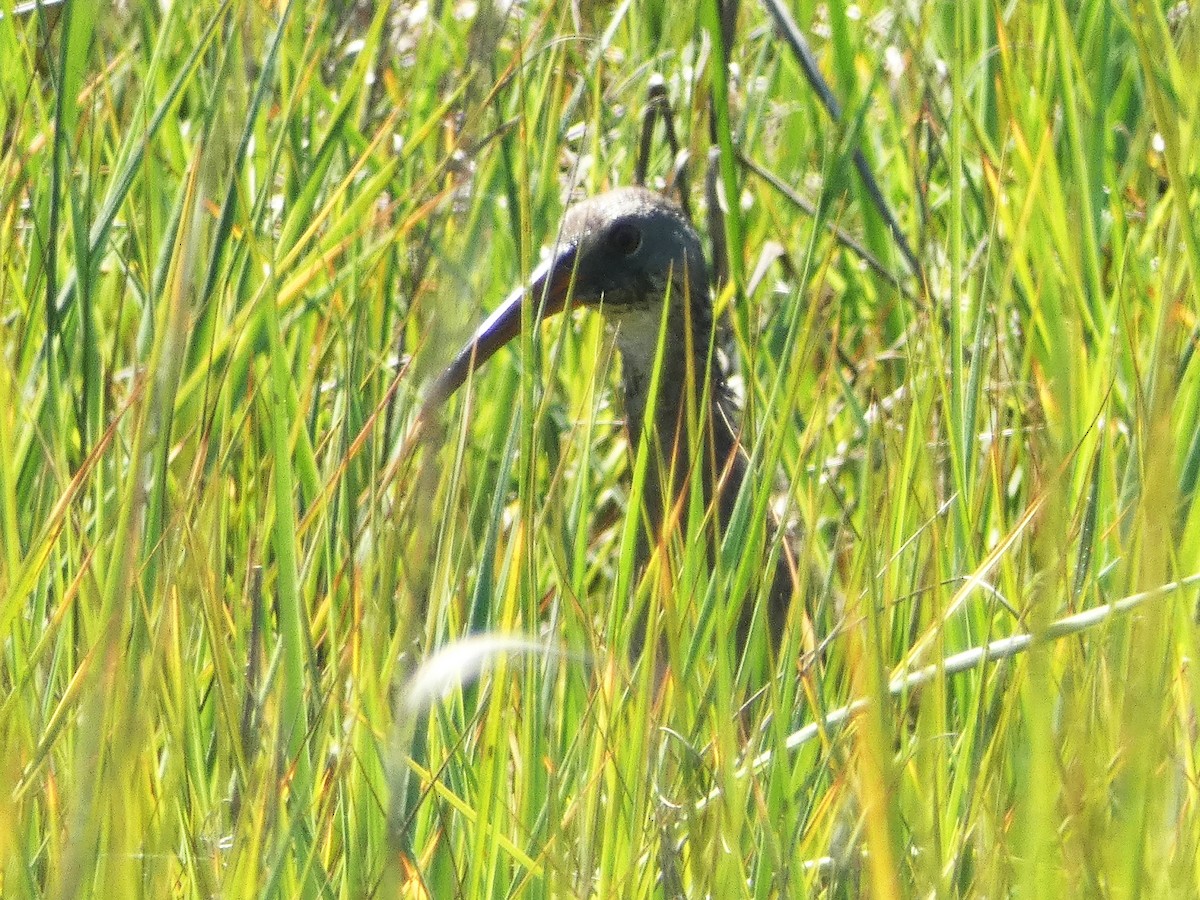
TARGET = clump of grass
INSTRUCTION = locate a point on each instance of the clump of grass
(238, 239)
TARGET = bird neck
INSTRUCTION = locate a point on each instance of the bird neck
(681, 397)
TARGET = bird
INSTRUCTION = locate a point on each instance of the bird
(628, 252)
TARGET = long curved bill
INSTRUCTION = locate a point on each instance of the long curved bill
(550, 280)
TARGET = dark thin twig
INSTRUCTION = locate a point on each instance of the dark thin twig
(658, 106)
(716, 223)
(792, 34)
(844, 237)
(27, 9)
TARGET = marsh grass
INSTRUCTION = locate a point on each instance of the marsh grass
(238, 238)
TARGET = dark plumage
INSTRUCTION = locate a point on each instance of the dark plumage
(628, 250)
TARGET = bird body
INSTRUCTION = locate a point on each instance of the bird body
(628, 252)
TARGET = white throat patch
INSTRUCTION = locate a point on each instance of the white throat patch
(637, 330)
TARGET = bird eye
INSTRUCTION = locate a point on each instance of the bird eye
(625, 238)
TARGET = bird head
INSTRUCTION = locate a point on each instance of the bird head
(627, 250)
